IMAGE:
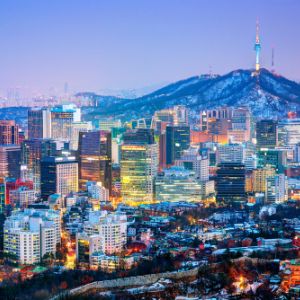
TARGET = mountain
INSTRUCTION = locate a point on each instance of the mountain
(266, 93)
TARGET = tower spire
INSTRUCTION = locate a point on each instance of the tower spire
(257, 48)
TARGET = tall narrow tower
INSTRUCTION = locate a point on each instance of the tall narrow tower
(257, 48)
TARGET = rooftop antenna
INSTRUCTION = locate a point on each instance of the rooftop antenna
(273, 60)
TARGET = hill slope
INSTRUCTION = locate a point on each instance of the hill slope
(265, 93)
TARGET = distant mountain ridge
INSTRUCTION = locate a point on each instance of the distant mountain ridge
(266, 93)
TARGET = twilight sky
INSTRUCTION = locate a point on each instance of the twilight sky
(111, 44)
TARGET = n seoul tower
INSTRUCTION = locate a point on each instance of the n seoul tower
(257, 48)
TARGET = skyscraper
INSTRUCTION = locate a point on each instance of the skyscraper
(39, 123)
(62, 118)
(10, 161)
(94, 154)
(139, 162)
(9, 132)
(33, 150)
(230, 182)
(266, 134)
(59, 175)
(177, 140)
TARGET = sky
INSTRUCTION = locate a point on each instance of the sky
(124, 44)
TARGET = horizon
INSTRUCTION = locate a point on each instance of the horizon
(121, 47)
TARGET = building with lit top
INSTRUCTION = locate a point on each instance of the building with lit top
(59, 175)
(138, 169)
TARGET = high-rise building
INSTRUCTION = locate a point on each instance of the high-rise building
(39, 123)
(10, 161)
(138, 169)
(272, 158)
(230, 153)
(9, 132)
(33, 150)
(266, 134)
(62, 118)
(240, 125)
(94, 154)
(177, 140)
(177, 184)
(76, 128)
(59, 175)
(259, 179)
(230, 182)
(2, 198)
(276, 189)
(139, 136)
(31, 234)
(192, 160)
(288, 132)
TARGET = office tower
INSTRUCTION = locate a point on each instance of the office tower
(288, 132)
(177, 140)
(230, 182)
(191, 159)
(33, 150)
(2, 197)
(162, 151)
(240, 125)
(266, 134)
(161, 119)
(176, 116)
(230, 153)
(59, 175)
(139, 164)
(76, 128)
(214, 120)
(21, 197)
(115, 181)
(139, 136)
(94, 154)
(9, 132)
(181, 114)
(276, 189)
(272, 158)
(30, 234)
(259, 179)
(177, 184)
(39, 123)
(108, 124)
(10, 161)
(62, 118)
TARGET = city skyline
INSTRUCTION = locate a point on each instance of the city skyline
(112, 46)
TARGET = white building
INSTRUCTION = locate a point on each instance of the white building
(31, 234)
(106, 231)
(191, 159)
(276, 189)
(97, 191)
(233, 153)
